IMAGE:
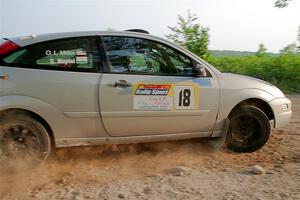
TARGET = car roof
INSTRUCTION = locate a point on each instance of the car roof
(31, 39)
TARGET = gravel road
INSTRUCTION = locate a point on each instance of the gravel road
(167, 170)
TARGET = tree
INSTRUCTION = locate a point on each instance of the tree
(298, 38)
(262, 50)
(282, 3)
(191, 35)
(203, 44)
(290, 49)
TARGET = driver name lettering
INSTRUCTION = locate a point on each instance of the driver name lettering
(60, 52)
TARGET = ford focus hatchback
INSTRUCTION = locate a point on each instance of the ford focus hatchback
(88, 88)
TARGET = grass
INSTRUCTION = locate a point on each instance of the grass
(282, 71)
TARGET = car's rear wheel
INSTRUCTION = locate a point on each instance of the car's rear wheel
(23, 140)
(249, 129)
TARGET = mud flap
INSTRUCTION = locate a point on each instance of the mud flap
(218, 142)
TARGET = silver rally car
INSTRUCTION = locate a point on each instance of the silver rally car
(87, 88)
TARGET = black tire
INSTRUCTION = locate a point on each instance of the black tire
(249, 129)
(23, 139)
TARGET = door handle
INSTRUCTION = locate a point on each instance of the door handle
(122, 83)
(4, 77)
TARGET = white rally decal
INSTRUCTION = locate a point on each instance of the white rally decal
(152, 97)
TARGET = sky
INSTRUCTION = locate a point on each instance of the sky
(234, 24)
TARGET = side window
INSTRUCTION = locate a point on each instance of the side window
(128, 54)
(78, 54)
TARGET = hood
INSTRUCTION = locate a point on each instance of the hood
(236, 81)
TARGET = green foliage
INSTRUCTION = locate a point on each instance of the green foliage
(290, 49)
(203, 44)
(282, 71)
(262, 50)
(191, 35)
(298, 39)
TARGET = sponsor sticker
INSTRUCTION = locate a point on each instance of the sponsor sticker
(163, 97)
(152, 89)
(152, 97)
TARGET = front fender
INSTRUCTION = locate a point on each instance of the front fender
(229, 99)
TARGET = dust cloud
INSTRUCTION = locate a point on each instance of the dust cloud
(146, 171)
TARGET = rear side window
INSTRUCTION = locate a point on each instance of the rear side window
(76, 54)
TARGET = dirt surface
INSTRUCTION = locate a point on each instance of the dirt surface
(168, 170)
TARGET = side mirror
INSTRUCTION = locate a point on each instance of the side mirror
(200, 70)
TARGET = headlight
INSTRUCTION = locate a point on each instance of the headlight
(285, 106)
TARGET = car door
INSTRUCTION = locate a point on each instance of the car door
(150, 88)
(64, 74)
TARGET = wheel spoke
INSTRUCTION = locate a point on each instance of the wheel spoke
(18, 142)
(245, 129)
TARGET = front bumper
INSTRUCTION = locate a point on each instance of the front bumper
(282, 109)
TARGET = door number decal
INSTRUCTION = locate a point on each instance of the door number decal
(184, 97)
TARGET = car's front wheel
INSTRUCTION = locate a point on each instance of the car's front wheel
(249, 129)
(23, 140)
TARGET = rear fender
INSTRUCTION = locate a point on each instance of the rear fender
(55, 118)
